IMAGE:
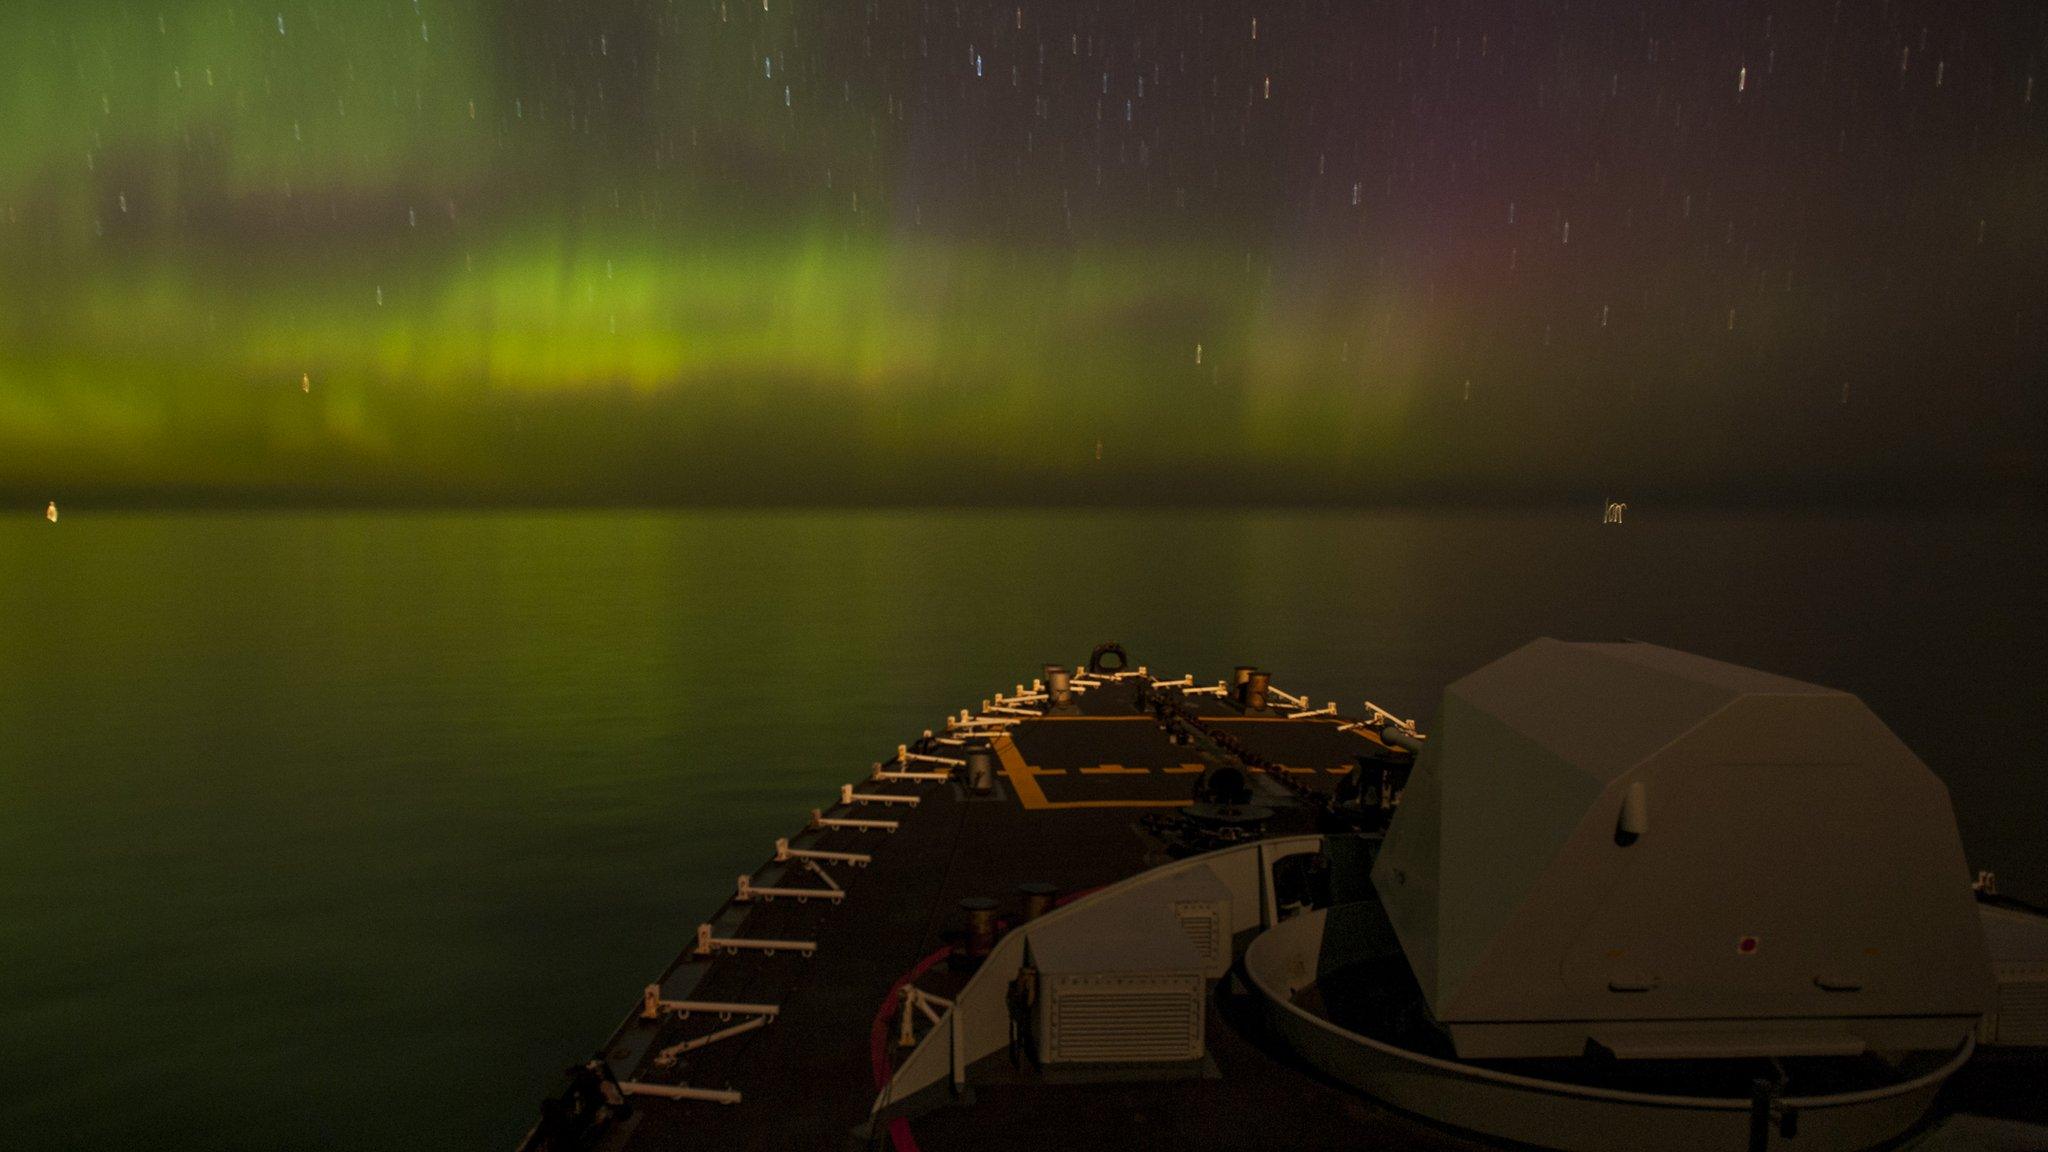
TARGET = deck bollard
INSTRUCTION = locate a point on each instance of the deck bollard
(1038, 898)
(981, 924)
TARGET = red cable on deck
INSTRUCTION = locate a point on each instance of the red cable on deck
(878, 1032)
(878, 1043)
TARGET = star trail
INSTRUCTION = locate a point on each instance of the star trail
(774, 251)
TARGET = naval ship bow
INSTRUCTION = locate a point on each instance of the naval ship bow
(1617, 897)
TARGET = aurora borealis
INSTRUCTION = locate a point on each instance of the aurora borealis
(799, 251)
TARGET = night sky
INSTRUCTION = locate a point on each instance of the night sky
(769, 251)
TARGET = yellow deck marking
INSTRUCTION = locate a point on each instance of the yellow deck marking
(1126, 718)
(1182, 768)
(1113, 804)
(1024, 778)
(1115, 770)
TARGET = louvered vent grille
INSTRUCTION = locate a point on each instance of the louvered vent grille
(1200, 925)
(1206, 924)
(1125, 1020)
(2022, 1012)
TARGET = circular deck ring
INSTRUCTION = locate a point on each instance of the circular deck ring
(1095, 665)
(1554, 1114)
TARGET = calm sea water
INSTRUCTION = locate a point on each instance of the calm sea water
(352, 830)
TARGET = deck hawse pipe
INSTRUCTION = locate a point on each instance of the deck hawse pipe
(1256, 687)
(1059, 688)
(981, 769)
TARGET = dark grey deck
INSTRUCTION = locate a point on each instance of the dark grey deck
(1072, 809)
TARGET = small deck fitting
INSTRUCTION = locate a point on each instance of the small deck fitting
(666, 1058)
(966, 721)
(783, 853)
(1036, 695)
(679, 1092)
(916, 1001)
(749, 891)
(905, 756)
(1386, 717)
(757, 1016)
(1287, 698)
(881, 773)
(734, 945)
(849, 797)
(820, 820)
(652, 1006)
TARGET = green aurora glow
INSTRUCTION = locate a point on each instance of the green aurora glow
(530, 252)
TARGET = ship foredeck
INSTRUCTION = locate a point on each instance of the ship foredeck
(780, 1021)
(868, 894)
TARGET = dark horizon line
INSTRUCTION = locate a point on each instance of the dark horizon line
(2012, 502)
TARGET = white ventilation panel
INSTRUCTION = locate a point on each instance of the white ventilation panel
(1122, 985)
(2018, 943)
(1202, 904)
(1114, 1018)
(2021, 1018)
(1206, 924)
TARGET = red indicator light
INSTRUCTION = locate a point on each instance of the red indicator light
(1746, 946)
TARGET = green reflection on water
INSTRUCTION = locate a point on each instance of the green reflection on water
(353, 829)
